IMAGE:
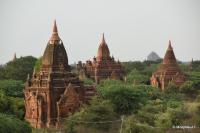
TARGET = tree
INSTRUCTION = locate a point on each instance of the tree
(10, 124)
(135, 77)
(18, 69)
(38, 64)
(133, 65)
(93, 116)
(11, 105)
(12, 88)
(126, 98)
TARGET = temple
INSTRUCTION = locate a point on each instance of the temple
(190, 67)
(168, 71)
(54, 92)
(14, 57)
(103, 65)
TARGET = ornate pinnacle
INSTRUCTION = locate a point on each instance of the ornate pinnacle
(54, 37)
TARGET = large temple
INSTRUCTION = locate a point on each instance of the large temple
(103, 65)
(54, 92)
(168, 71)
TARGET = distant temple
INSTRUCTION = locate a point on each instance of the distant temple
(168, 71)
(103, 65)
(14, 57)
(54, 92)
(190, 67)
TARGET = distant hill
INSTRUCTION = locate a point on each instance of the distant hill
(153, 57)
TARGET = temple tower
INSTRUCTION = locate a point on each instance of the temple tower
(168, 71)
(103, 65)
(54, 92)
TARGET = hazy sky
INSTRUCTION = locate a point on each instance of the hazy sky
(133, 28)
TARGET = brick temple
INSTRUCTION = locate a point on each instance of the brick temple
(168, 71)
(54, 92)
(103, 65)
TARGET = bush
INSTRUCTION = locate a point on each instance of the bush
(187, 87)
(171, 88)
(178, 115)
(131, 125)
(163, 121)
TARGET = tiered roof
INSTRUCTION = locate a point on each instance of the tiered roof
(55, 53)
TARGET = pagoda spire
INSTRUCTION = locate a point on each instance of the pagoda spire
(15, 57)
(169, 57)
(103, 39)
(191, 65)
(170, 45)
(55, 30)
(54, 37)
(103, 50)
(103, 42)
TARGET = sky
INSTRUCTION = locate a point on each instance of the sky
(132, 28)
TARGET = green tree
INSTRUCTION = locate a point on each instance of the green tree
(126, 98)
(10, 124)
(93, 116)
(129, 66)
(12, 88)
(38, 64)
(18, 69)
(11, 105)
(135, 77)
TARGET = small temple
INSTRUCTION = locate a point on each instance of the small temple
(54, 92)
(190, 67)
(168, 71)
(103, 65)
(14, 57)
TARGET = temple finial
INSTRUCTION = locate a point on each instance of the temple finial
(103, 39)
(54, 37)
(170, 45)
(55, 30)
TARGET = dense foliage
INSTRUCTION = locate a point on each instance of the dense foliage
(38, 64)
(12, 77)
(93, 116)
(11, 124)
(145, 108)
(11, 105)
(12, 88)
(126, 98)
(18, 69)
(141, 107)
